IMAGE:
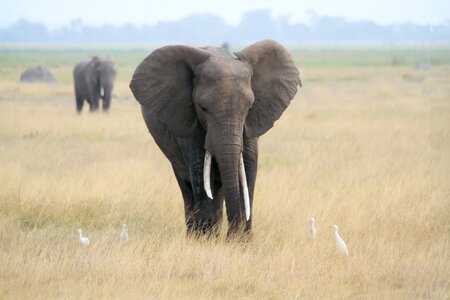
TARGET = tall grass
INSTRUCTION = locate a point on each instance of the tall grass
(365, 148)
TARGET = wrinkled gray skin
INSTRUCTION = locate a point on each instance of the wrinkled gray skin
(94, 80)
(197, 99)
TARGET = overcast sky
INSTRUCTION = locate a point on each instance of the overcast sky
(55, 13)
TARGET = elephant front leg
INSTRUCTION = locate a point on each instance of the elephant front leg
(79, 101)
(205, 213)
(106, 100)
(194, 211)
(189, 211)
(93, 100)
(208, 212)
(105, 105)
(93, 104)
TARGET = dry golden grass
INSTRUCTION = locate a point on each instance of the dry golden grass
(365, 148)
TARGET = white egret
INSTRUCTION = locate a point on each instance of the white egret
(340, 244)
(84, 241)
(123, 236)
(311, 231)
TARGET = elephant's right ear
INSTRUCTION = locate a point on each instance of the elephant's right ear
(163, 82)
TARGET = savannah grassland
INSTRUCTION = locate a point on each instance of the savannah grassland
(365, 145)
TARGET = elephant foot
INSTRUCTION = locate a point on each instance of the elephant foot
(203, 229)
(240, 232)
(243, 237)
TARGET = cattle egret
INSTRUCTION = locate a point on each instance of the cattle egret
(340, 244)
(123, 236)
(84, 241)
(311, 231)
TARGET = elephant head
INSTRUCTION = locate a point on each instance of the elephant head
(231, 98)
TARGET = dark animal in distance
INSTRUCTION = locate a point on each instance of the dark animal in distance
(37, 74)
(94, 80)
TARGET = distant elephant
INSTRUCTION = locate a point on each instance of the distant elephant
(38, 74)
(94, 79)
(206, 108)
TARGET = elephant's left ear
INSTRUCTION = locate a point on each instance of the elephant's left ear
(274, 84)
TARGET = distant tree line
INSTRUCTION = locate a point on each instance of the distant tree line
(206, 28)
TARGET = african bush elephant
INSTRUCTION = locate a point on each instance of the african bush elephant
(206, 108)
(94, 79)
(38, 74)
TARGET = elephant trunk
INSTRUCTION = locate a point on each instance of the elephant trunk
(225, 144)
(242, 176)
(228, 162)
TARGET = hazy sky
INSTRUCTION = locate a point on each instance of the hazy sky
(55, 13)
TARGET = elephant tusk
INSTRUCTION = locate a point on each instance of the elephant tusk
(207, 175)
(245, 188)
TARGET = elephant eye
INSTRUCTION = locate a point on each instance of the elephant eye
(202, 107)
